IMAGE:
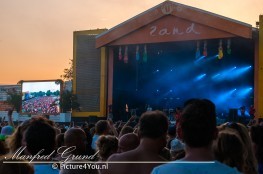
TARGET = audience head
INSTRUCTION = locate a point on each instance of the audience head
(250, 165)
(102, 127)
(198, 123)
(126, 130)
(107, 145)
(177, 149)
(229, 149)
(154, 125)
(128, 142)
(6, 131)
(39, 135)
(14, 142)
(76, 137)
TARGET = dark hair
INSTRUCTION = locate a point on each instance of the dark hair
(101, 126)
(40, 135)
(107, 145)
(3, 148)
(18, 168)
(198, 122)
(126, 130)
(153, 124)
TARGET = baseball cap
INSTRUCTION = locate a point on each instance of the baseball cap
(6, 131)
(176, 145)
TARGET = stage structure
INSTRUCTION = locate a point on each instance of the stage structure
(89, 74)
(164, 56)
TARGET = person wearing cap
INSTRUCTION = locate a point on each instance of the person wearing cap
(6, 131)
(177, 149)
(9, 129)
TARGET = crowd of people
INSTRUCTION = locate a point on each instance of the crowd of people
(45, 105)
(145, 144)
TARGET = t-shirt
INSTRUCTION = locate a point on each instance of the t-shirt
(188, 167)
(94, 141)
(45, 168)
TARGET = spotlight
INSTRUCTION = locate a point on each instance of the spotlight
(200, 58)
(215, 76)
(244, 91)
(200, 77)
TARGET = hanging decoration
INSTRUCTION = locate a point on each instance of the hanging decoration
(125, 59)
(228, 46)
(145, 54)
(137, 53)
(197, 54)
(120, 56)
(220, 50)
(205, 49)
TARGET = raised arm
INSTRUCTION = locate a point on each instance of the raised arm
(9, 117)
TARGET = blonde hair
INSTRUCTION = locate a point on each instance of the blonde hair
(250, 165)
(228, 149)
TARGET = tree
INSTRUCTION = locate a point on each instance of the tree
(69, 101)
(14, 99)
(68, 72)
(48, 93)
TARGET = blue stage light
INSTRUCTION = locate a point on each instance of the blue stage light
(200, 77)
(244, 91)
(215, 76)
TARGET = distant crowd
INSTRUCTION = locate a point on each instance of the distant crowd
(46, 105)
(150, 143)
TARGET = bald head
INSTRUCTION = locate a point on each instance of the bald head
(128, 142)
(76, 137)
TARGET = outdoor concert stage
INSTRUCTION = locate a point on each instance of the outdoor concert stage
(172, 74)
(164, 56)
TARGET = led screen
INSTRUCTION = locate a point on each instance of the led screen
(41, 97)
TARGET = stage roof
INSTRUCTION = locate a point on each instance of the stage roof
(170, 22)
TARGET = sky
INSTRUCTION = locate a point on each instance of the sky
(36, 36)
(40, 86)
